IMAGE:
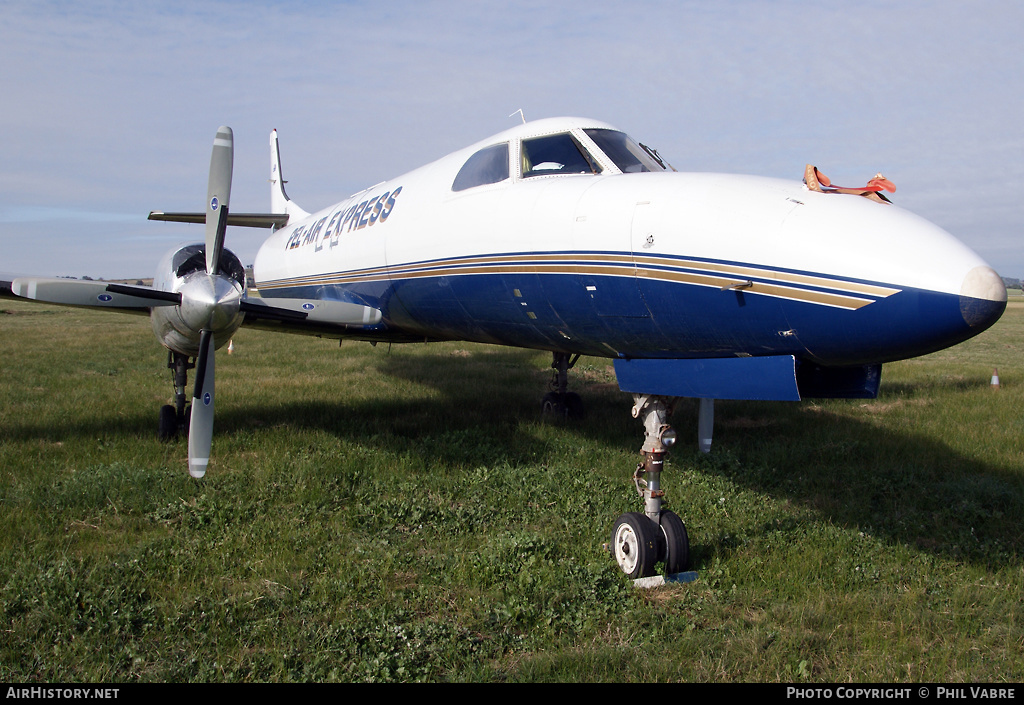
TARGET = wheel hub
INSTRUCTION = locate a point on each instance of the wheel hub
(625, 549)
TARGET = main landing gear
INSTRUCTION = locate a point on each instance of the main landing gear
(640, 540)
(174, 419)
(559, 403)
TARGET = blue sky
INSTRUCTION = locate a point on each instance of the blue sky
(109, 109)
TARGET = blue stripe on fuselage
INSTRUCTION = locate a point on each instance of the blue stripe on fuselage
(591, 303)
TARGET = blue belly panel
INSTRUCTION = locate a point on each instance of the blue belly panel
(564, 312)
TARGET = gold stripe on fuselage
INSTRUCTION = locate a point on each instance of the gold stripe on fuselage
(757, 280)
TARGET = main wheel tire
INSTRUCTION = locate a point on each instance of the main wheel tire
(553, 407)
(562, 406)
(635, 544)
(677, 543)
(574, 407)
(167, 427)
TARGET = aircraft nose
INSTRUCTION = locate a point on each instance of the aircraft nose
(982, 298)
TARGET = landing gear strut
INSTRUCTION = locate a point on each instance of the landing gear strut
(560, 403)
(174, 419)
(640, 540)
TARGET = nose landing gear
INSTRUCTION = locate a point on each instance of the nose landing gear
(640, 540)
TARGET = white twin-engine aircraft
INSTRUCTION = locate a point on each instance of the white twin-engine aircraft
(567, 235)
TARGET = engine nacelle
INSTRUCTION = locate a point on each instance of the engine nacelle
(210, 302)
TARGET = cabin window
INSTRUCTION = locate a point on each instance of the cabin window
(629, 156)
(556, 154)
(488, 166)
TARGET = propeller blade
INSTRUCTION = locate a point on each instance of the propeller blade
(218, 194)
(76, 292)
(200, 432)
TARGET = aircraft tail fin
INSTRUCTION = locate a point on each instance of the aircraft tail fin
(282, 210)
(279, 201)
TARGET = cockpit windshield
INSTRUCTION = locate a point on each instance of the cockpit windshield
(556, 154)
(559, 154)
(631, 157)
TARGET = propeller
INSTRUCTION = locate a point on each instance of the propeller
(210, 301)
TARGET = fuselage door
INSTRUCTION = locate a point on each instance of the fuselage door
(608, 276)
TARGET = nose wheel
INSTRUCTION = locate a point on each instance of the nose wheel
(677, 543)
(657, 535)
(639, 543)
(635, 544)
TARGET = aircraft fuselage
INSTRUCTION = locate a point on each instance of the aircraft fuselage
(638, 265)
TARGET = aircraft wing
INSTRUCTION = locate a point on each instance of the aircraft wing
(100, 294)
(310, 316)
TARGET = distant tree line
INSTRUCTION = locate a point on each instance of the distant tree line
(138, 282)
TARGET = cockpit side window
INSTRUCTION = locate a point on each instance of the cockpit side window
(556, 154)
(629, 156)
(488, 166)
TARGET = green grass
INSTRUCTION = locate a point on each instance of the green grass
(376, 514)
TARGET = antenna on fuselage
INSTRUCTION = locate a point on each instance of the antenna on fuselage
(521, 114)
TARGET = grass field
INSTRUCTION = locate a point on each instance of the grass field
(376, 514)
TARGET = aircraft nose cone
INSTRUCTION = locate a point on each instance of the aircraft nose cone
(982, 298)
